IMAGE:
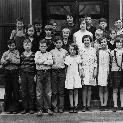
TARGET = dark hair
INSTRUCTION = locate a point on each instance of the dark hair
(10, 41)
(75, 47)
(116, 19)
(110, 30)
(102, 20)
(37, 21)
(27, 40)
(81, 20)
(58, 37)
(87, 36)
(42, 41)
(87, 15)
(69, 14)
(19, 19)
(29, 26)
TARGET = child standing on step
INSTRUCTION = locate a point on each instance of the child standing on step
(73, 80)
(103, 61)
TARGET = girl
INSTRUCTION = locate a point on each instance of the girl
(103, 61)
(116, 72)
(88, 70)
(73, 80)
(30, 35)
(111, 42)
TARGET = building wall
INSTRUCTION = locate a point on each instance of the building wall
(114, 11)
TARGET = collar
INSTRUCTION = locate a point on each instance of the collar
(58, 49)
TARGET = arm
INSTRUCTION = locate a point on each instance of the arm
(16, 59)
(49, 60)
(12, 34)
(38, 59)
(4, 59)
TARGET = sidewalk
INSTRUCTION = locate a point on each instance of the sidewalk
(86, 117)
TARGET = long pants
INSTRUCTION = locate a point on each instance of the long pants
(28, 90)
(58, 85)
(43, 89)
(11, 90)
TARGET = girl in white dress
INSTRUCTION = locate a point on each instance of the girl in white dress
(88, 70)
(103, 61)
(73, 80)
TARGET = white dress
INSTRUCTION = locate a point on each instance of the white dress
(73, 79)
(104, 60)
(89, 62)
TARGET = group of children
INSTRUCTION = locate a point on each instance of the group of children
(47, 63)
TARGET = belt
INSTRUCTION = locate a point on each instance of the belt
(45, 70)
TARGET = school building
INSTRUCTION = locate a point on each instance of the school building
(29, 10)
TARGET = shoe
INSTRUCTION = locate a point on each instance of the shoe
(84, 109)
(9, 112)
(55, 110)
(102, 108)
(15, 112)
(114, 109)
(61, 110)
(121, 108)
(49, 112)
(31, 112)
(40, 113)
(75, 109)
(24, 112)
(88, 108)
(71, 109)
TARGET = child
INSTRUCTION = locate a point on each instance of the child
(66, 40)
(98, 36)
(43, 61)
(27, 77)
(10, 61)
(19, 34)
(48, 37)
(30, 35)
(73, 80)
(116, 73)
(77, 36)
(118, 25)
(88, 70)
(103, 60)
(58, 75)
(111, 42)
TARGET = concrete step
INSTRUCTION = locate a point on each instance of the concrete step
(80, 117)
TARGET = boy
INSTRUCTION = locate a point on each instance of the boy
(18, 34)
(27, 77)
(43, 61)
(58, 75)
(10, 61)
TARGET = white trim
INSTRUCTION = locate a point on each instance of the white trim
(121, 4)
(30, 11)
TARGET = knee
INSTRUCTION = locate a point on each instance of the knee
(115, 91)
(121, 91)
(70, 92)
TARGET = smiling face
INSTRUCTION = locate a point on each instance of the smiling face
(113, 34)
(88, 20)
(58, 44)
(19, 25)
(103, 25)
(83, 25)
(43, 47)
(30, 31)
(104, 43)
(87, 42)
(119, 44)
(72, 51)
(27, 46)
(12, 46)
(118, 24)
(69, 19)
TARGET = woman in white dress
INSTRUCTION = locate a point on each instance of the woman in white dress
(73, 80)
(103, 59)
(88, 70)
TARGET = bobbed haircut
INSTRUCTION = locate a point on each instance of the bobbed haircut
(10, 41)
(75, 47)
(87, 36)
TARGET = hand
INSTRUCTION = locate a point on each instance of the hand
(19, 80)
(95, 73)
(35, 78)
(82, 75)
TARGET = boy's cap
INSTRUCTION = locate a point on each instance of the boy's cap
(48, 27)
(102, 20)
(66, 30)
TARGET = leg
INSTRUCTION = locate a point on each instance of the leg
(101, 95)
(76, 97)
(84, 95)
(54, 89)
(115, 91)
(121, 97)
(105, 95)
(31, 92)
(88, 96)
(39, 90)
(71, 97)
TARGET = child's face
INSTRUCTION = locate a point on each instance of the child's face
(19, 24)
(11, 46)
(104, 43)
(54, 26)
(118, 24)
(98, 35)
(43, 47)
(113, 34)
(72, 51)
(69, 19)
(27, 46)
(87, 42)
(83, 25)
(38, 27)
(58, 44)
(88, 20)
(48, 32)
(66, 34)
(30, 31)
(103, 25)
(119, 45)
